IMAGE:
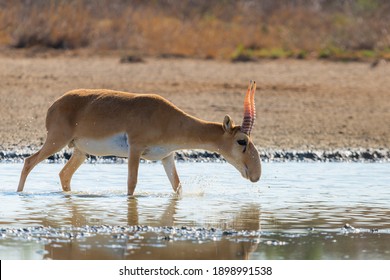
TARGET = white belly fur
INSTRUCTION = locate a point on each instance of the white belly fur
(118, 145)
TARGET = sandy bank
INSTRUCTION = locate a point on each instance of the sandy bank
(301, 105)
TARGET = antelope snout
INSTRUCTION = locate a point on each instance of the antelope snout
(254, 179)
(251, 177)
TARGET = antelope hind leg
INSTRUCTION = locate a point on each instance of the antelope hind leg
(70, 168)
(50, 147)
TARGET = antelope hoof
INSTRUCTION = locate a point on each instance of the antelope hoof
(178, 189)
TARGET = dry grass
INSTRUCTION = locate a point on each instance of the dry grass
(212, 29)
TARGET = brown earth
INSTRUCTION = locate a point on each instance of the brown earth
(300, 104)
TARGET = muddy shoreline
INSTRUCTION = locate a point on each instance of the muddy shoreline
(266, 155)
(49, 234)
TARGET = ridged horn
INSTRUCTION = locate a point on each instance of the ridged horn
(249, 109)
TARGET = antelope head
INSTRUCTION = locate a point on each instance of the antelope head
(238, 148)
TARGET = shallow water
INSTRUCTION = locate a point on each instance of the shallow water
(297, 211)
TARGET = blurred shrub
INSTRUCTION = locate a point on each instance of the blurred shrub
(242, 29)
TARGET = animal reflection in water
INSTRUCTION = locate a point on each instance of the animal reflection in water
(155, 245)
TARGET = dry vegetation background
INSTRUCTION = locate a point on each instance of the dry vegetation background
(228, 29)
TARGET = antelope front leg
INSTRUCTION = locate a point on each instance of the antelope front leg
(133, 163)
(170, 168)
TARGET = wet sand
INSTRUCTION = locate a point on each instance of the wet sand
(301, 105)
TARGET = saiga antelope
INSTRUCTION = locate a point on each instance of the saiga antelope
(106, 122)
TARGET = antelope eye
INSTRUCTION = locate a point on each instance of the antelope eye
(242, 142)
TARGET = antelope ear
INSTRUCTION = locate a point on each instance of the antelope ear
(228, 124)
